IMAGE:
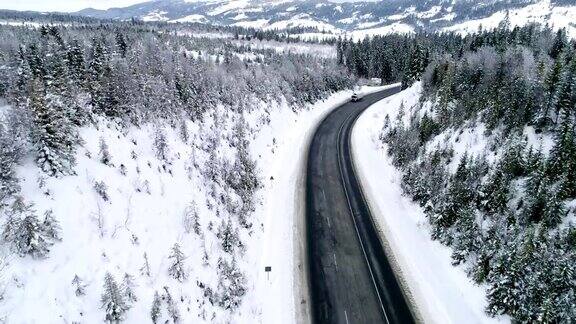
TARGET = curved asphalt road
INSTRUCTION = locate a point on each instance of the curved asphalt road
(351, 280)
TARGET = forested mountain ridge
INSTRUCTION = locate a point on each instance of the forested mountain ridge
(488, 152)
(378, 17)
(130, 184)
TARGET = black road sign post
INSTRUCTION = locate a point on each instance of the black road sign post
(268, 269)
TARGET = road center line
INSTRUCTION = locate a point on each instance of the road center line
(335, 262)
(340, 158)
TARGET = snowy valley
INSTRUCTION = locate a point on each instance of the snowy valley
(155, 161)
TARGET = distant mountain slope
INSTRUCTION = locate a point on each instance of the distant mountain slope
(370, 17)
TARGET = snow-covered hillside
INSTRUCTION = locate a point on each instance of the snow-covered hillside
(544, 12)
(321, 19)
(146, 182)
(124, 216)
(441, 292)
(484, 166)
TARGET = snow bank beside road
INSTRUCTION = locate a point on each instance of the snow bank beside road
(442, 293)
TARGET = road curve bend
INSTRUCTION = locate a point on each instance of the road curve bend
(351, 280)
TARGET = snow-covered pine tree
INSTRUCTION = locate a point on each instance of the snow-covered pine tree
(10, 155)
(20, 91)
(184, 134)
(537, 194)
(231, 284)
(112, 301)
(156, 309)
(51, 227)
(54, 136)
(564, 148)
(80, 287)
(176, 269)
(56, 148)
(25, 234)
(559, 43)
(121, 44)
(13, 220)
(128, 288)
(61, 80)
(196, 221)
(191, 220)
(30, 239)
(145, 270)
(228, 236)
(205, 257)
(386, 124)
(458, 196)
(160, 144)
(466, 240)
(417, 64)
(513, 162)
(171, 306)
(76, 62)
(554, 210)
(96, 70)
(504, 292)
(104, 152)
(495, 192)
(35, 61)
(551, 84)
(563, 98)
(102, 190)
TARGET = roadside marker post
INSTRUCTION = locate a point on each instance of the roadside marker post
(268, 269)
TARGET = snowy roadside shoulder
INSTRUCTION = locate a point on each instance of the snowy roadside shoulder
(440, 292)
(282, 150)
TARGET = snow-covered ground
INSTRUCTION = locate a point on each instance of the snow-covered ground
(441, 292)
(319, 50)
(195, 18)
(258, 23)
(314, 36)
(395, 27)
(155, 16)
(304, 21)
(144, 215)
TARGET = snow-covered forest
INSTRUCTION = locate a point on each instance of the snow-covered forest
(494, 170)
(143, 164)
(128, 179)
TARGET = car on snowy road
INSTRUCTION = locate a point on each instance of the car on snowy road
(357, 96)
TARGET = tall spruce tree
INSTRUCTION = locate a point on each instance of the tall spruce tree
(113, 301)
(176, 269)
